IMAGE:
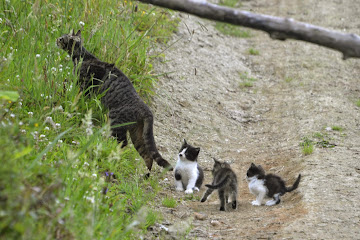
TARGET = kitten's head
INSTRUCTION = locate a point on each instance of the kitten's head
(188, 152)
(255, 171)
(219, 165)
(70, 42)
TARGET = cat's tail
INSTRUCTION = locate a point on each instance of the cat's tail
(150, 145)
(219, 185)
(295, 185)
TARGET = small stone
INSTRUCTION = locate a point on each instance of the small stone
(200, 216)
(215, 223)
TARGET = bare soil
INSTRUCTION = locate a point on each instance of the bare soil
(301, 91)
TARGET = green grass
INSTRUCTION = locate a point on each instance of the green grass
(246, 80)
(230, 3)
(253, 51)
(169, 202)
(307, 146)
(62, 176)
(357, 103)
(337, 128)
(232, 30)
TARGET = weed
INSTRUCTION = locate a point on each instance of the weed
(169, 202)
(246, 81)
(253, 51)
(337, 128)
(307, 146)
(288, 79)
(358, 103)
(230, 3)
(232, 30)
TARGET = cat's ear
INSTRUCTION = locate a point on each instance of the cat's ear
(261, 168)
(197, 150)
(78, 33)
(185, 142)
(253, 165)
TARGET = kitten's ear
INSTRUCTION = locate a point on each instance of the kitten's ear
(197, 150)
(253, 165)
(71, 32)
(185, 142)
(78, 33)
(261, 168)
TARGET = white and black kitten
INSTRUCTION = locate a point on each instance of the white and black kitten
(270, 185)
(188, 174)
(225, 181)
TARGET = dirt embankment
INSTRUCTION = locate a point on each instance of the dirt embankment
(298, 91)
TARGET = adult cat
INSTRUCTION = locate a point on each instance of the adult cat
(120, 98)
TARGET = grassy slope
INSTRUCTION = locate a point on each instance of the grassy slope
(57, 163)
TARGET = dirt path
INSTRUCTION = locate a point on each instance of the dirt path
(301, 90)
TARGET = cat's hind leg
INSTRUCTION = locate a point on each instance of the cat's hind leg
(207, 194)
(222, 199)
(120, 134)
(275, 200)
(233, 198)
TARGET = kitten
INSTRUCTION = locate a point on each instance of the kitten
(188, 174)
(120, 98)
(269, 185)
(225, 181)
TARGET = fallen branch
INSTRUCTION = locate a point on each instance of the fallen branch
(278, 28)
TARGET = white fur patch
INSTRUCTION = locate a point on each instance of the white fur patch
(257, 187)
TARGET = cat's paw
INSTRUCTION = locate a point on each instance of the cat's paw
(222, 209)
(270, 203)
(234, 204)
(203, 200)
(196, 189)
(179, 189)
(188, 191)
(255, 203)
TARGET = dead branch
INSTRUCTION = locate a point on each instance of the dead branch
(278, 28)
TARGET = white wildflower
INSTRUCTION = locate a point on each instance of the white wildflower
(1, 20)
(87, 123)
(46, 128)
(12, 115)
(58, 125)
(38, 55)
(42, 136)
(42, 95)
(86, 164)
(23, 131)
(82, 24)
(17, 76)
(21, 123)
(66, 198)
(30, 114)
(94, 175)
(53, 69)
(91, 199)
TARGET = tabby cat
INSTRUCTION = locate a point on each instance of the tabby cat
(261, 185)
(225, 181)
(120, 98)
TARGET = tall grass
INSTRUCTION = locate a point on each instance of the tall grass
(62, 176)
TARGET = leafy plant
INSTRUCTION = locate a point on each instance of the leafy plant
(253, 51)
(169, 202)
(246, 81)
(307, 146)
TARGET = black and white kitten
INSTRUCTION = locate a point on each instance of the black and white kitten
(225, 181)
(188, 174)
(270, 185)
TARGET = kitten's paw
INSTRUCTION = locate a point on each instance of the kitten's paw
(188, 191)
(255, 203)
(179, 189)
(270, 203)
(222, 209)
(196, 189)
(234, 204)
(203, 200)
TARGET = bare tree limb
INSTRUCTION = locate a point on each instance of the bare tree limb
(278, 28)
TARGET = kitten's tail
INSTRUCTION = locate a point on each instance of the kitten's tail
(295, 185)
(219, 185)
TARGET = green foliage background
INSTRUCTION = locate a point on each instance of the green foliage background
(62, 175)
